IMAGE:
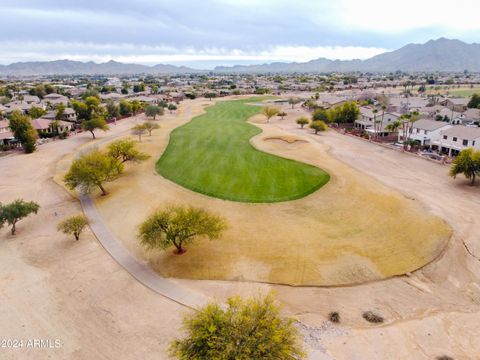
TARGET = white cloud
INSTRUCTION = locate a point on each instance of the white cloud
(407, 15)
(144, 54)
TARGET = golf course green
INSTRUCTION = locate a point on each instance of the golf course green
(212, 155)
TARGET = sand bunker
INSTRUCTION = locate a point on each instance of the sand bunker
(352, 230)
(288, 141)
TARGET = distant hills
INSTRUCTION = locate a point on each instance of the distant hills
(435, 55)
(69, 67)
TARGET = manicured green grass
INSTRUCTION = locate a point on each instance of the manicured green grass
(462, 92)
(465, 93)
(212, 155)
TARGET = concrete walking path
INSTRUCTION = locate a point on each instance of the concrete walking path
(139, 270)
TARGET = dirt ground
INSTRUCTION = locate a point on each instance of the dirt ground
(53, 287)
(56, 288)
(352, 230)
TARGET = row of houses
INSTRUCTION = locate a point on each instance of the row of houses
(444, 137)
(446, 125)
(42, 125)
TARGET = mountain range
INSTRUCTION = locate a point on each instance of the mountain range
(69, 67)
(435, 55)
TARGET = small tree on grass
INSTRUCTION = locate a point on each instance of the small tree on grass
(318, 126)
(153, 110)
(282, 114)
(92, 170)
(172, 107)
(210, 95)
(139, 130)
(124, 150)
(16, 211)
(466, 163)
(150, 126)
(243, 330)
(97, 122)
(73, 225)
(302, 121)
(179, 225)
(293, 101)
(269, 112)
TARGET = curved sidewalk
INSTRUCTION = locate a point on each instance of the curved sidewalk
(139, 270)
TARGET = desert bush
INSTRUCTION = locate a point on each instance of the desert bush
(371, 317)
(334, 317)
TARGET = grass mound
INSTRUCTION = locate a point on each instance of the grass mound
(212, 155)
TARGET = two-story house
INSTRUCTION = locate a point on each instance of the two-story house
(425, 131)
(456, 139)
(368, 118)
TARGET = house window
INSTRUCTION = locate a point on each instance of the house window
(465, 142)
(454, 139)
(445, 137)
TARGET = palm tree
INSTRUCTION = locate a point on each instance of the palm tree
(407, 121)
(393, 127)
(375, 111)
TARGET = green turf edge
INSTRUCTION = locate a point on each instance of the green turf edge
(325, 178)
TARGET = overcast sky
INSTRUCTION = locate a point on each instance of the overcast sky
(204, 33)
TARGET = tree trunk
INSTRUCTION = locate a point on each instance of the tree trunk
(139, 138)
(473, 179)
(103, 189)
(179, 247)
(13, 228)
(93, 134)
(77, 236)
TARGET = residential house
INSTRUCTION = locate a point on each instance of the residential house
(69, 115)
(455, 104)
(425, 131)
(145, 99)
(54, 99)
(176, 96)
(456, 139)
(6, 134)
(111, 96)
(21, 106)
(368, 118)
(403, 105)
(328, 101)
(31, 99)
(451, 116)
(471, 117)
(45, 126)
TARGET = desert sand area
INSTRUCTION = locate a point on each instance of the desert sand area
(56, 288)
(352, 230)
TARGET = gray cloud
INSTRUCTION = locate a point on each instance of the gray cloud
(120, 28)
